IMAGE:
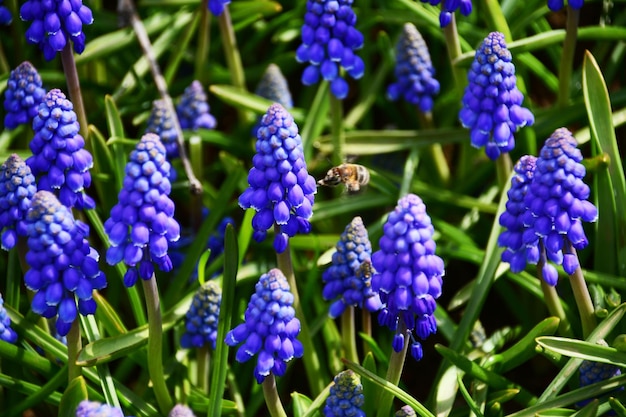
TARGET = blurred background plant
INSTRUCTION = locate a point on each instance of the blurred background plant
(507, 343)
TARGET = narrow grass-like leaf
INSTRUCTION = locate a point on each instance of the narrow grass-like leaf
(27, 359)
(371, 391)
(590, 410)
(583, 350)
(617, 407)
(300, 403)
(116, 129)
(316, 119)
(42, 394)
(75, 392)
(318, 403)
(29, 389)
(467, 397)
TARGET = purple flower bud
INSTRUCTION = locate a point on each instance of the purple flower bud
(217, 6)
(201, 319)
(193, 109)
(88, 408)
(17, 188)
(23, 95)
(5, 14)
(180, 410)
(346, 396)
(160, 123)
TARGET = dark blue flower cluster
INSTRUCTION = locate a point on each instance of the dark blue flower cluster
(201, 318)
(346, 396)
(6, 332)
(512, 219)
(409, 274)
(17, 188)
(160, 123)
(414, 71)
(270, 328)
(23, 95)
(142, 223)
(349, 276)
(449, 7)
(181, 410)
(88, 408)
(193, 109)
(591, 372)
(492, 104)
(556, 5)
(5, 14)
(217, 6)
(281, 189)
(273, 86)
(55, 23)
(59, 161)
(557, 205)
(329, 39)
(63, 267)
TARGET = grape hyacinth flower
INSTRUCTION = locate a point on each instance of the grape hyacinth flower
(201, 318)
(449, 7)
(281, 189)
(270, 328)
(414, 71)
(347, 278)
(492, 104)
(142, 223)
(557, 206)
(409, 274)
(63, 267)
(193, 109)
(59, 161)
(6, 332)
(329, 39)
(216, 7)
(273, 86)
(160, 123)
(346, 396)
(88, 408)
(512, 219)
(17, 188)
(5, 14)
(181, 410)
(23, 95)
(55, 23)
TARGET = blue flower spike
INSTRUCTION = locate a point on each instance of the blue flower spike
(5, 14)
(449, 7)
(201, 318)
(142, 224)
(557, 202)
(216, 7)
(23, 95)
(193, 110)
(409, 274)
(405, 411)
(160, 123)
(88, 408)
(492, 104)
(512, 219)
(59, 161)
(281, 190)
(273, 86)
(6, 332)
(270, 328)
(329, 39)
(17, 188)
(348, 279)
(346, 396)
(414, 71)
(181, 410)
(63, 267)
(55, 23)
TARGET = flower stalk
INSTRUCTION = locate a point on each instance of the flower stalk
(272, 399)
(394, 372)
(73, 86)
(567, 56)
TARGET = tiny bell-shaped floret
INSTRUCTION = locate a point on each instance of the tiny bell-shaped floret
(23, 94)
(17, 188)
(181, 410)
(281, 189)
(160, 123)
(348, 279)
(55, 23)
(492, 104)
(448, 8)
(273, 86)
(270, 328)
(193, 109)
(88, 408)
(329, 39)
(512, 219)
(201, 318)
(5, 14)
(59, 161)
(6, 332)
(217, 6)
(557, 202)
(142, 224)
(346, 396)
(63, 267)
(414, 71)
(556, 5)
(409, 275)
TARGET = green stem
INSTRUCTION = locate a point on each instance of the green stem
(394, 371)
(338, 136)
(409, 170)
(272, 399)
(553, 302)
(74, 346)
(366, 328)
(311, 360)
(504, 166)
(581, 295)
(202, 51)
(155, 345)
(453, 44)
(5, 68)
(197, 165)
(348, 334)
(203, 357)
(236, 394)
(567, 56)
(73, 86)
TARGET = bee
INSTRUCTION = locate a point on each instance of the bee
(353, 176)
(365, 271)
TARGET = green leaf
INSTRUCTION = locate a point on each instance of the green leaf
(39, 394)
(590, 410)
(467, 397)
(371, 391)
(301, 403)
(316, 119)
(583, 350)
(75, 393)
(618, 407)
(116, 129)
